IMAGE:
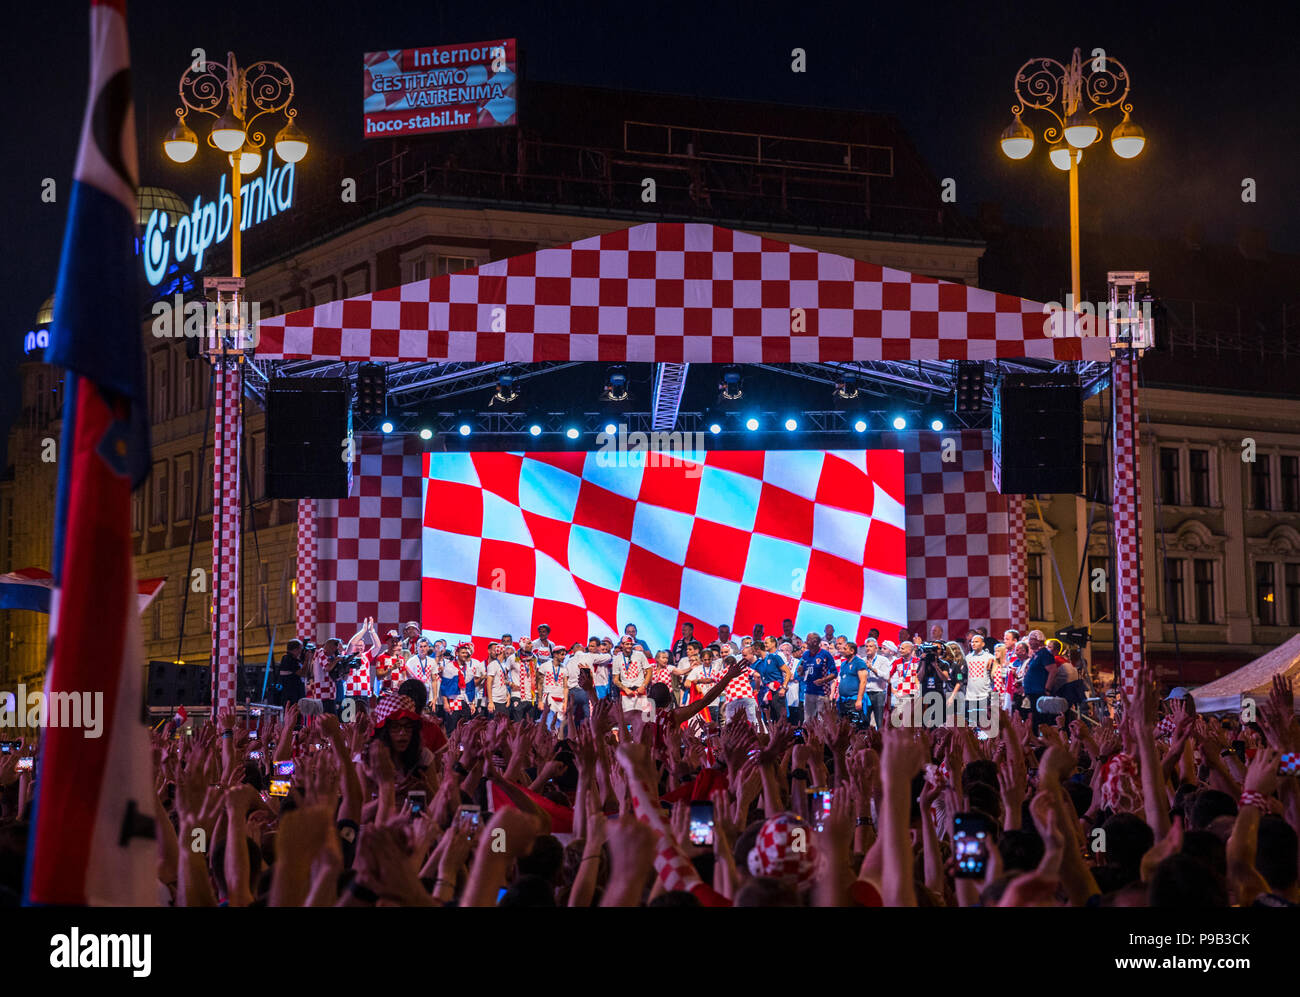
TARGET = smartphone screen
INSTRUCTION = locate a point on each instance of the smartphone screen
(473, 813)
(7, 746)
(1289, 763)
(416, 800)
(821, 806)
(255, 756)
(25, 764)
(972, 834)
(701, 827)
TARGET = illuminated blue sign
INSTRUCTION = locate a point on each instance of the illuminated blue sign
(37, 339)
(208, 224)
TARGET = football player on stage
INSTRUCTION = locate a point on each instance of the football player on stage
(421, 666)
(389, 665)
(632, 678)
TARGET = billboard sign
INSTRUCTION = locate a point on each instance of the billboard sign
(442, 88)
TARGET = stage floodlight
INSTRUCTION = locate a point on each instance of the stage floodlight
(859, 425)
(715, 427)
(791, 424)
(572, 432)
(751, 424)
(968, 393)
(534, 430)
(900, 422)
(426, 434)
(386, 427)
(372, 389)
(936, 425)
(611, 429)
(464, 429)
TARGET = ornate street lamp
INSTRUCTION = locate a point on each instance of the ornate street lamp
(1071, 95)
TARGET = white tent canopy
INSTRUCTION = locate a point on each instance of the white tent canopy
(1252, 680)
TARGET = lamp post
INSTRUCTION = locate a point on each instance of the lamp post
(1071, 95)
(236, 97)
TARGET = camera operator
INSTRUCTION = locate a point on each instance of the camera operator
(293, 666)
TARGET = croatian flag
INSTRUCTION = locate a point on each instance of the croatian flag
(30, 588)
(92, 840)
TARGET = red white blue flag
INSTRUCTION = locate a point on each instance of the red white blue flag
(94, 793)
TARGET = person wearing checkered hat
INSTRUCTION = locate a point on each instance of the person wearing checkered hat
(397, 728)
(784, 850)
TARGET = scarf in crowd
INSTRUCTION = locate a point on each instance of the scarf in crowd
(1120, 789)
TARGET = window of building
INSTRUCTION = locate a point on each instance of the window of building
(1203, 579)
(1096, 473)
(1198, 463)
(356, 281)
(1174, 591)
(1292, 579)
(454, 264)
(1169, 490)
(160, 384)
(205, 493)
(184, 487)
(1261, 487)
(1100, 600)
(159, 509)
(137, 512)
(1291, 484)
(257, 466)
(1265, 593)
(1034, 586)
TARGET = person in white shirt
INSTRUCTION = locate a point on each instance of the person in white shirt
(555, 691)
(877, 679)
(979, 679)
(573, 667)
(422, 667)
(499, 683)
(632, 678)
(786, 650)
(543, 646)
(595, 658)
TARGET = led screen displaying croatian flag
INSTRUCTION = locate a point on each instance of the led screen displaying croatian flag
(589, 542)
(441, 88)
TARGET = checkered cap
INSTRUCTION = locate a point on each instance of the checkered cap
(393, 706)
(775, 853)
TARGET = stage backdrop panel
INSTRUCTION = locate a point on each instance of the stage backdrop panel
(957, 572)
(589, 542)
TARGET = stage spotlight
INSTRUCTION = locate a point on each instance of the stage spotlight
(506, 394)
(791, 424)
(615, 389)
(751, 424)
(386, 427)
(900, 422)
(426, 434)
(731, 390)
(715, 427)
(936, 425)
(534, 430)
(611, 429)
(968, 393)
(464, 429)
(859, 425)
(571, 432)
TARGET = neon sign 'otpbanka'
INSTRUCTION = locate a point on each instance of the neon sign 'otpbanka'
(208, 224)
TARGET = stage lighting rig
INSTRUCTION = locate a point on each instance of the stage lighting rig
(731, 390)
(372, 389)
(846, 390)
(615, 389)
(506, 394)
(968, 395)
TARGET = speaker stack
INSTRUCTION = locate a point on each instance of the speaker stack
(308, 420)
(1038, 435)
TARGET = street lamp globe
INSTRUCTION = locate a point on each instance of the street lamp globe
(1017, 140)
(228, 133)
(181, 144)
(1060, 153)
(1127, 139)
(1081, 129)
(250, 158)
(291, 143)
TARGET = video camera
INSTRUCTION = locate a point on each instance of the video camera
(343, 664)
(1078, 636)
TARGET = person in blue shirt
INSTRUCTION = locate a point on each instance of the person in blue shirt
(1035, 681)
(630, 630)
(774, 670)
(853, 682)
(817, 671)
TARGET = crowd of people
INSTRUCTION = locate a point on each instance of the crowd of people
(785, 676)
(607, 774)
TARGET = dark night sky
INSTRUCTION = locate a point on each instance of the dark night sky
(1212, 85)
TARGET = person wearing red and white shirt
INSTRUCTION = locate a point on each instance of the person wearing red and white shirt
(738, 696)
(359, 683)
(523, 705)
(631, 677)
(904, 681)
(1003, 670)
(451, 683)
(555, 691)
(543, 647)
(500, 689)
(410, 637)
(389, 665)
(703, 676)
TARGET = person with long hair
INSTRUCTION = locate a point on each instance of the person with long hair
(397, 729)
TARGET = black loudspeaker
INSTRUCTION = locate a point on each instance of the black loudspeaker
(307, 421)
(170, 684)
(1038, 435)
